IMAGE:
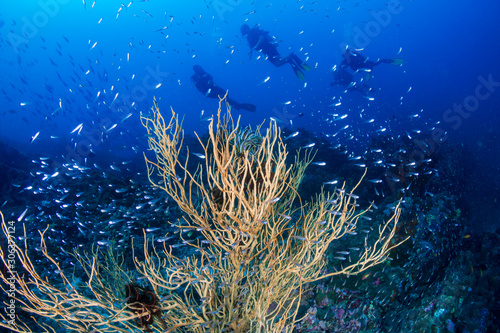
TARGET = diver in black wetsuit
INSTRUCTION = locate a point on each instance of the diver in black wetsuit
(354, 59)
(261, 41)
(341, 77)
(204, 82)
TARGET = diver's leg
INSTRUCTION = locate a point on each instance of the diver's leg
(216, 92)
(248, 107)
(277, 61)
(299, 62)
(368, 64)
(238, 106)
(296, 70)
(273, 55)
(393, 61)
(233, 103)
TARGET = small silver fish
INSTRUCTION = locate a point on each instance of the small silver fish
(294, 134)
(309, 145)
(199, 155)
(111, 128)
(76, 128)
(265, 80)
(272, 200)
(33, 138)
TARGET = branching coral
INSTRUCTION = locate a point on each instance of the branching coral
(258, 244)
(96, 305)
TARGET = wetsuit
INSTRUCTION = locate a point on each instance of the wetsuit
(204, 82)
(345, 79)
(356, 61)
(260, 40)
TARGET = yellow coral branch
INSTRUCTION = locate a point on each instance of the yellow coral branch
(258, 243)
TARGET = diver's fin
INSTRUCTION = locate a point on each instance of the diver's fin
(248, 107)
(298, 72)
(305, 66)
(299, 62)
(397, 61)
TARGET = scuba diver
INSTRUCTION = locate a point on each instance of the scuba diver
(354, 59)
(341, 77)
(261, 41)
(205, 84)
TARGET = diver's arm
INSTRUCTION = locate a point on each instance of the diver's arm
(254, 47)
(257, 44)
(209, 79)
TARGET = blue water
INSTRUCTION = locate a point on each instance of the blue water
(445, 48)
(48, 60)
(94, 67)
